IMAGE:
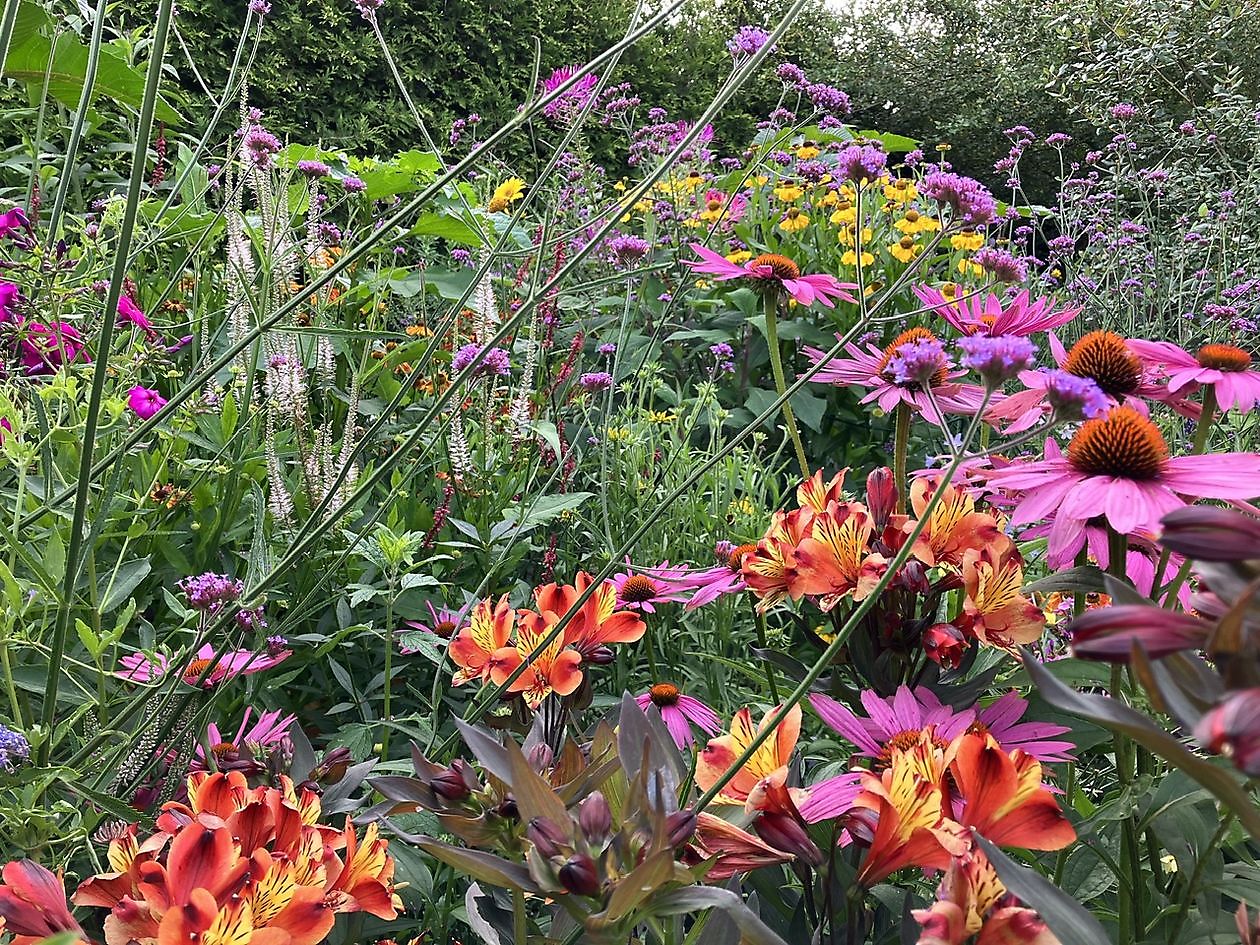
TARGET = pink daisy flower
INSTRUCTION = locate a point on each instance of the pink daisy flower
(894, 722)
(679, 713)
(991, 316)
(138, 667)
(771, 269)
(877, 370)
(1224, 368)
(443, 622)
(722, 579)
(1117, 468)
(644, 588)
(267, 731)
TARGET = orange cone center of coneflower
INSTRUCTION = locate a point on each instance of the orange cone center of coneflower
(444, 628)
(713, 205)
(664, 695)
(222, 749)
(1123, 443)
(1223, 358)
(637, 589)
(782, 267)
(195, 669)
(735, 561)
(902, 741)
(1103, 357)
(909, 336)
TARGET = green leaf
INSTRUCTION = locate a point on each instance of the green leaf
(1120, 718)
(640, 883)
(545, 508)
(1083, 577)
(1066, 917)
(118, 587)
(445, 226)
(695, 898)
(482, 867)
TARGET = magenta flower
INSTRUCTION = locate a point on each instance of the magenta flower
(1224, 368)
(643, 588)
(43, 349)
(1117, 468)
(145, 402)
(443, 622)
(10, 294)
(876, 369)
(267, 731)
(679, 713)
(137, 667)
(897, 719)
(1002, 720)
(831, 797)
(989, 315)
(129, 313)
(573, 99)
(726, 578)
(13, 221)
(772, 270)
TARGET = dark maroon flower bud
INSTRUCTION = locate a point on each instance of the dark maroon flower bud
(881, 495)
(861, 823)
(680, 826)
(595, 819)
(1108, 633)
(449, 785)
(547, 837)
(508, 810)
(578, 875)
(333, 765)
(944, 645)
(601, 656)
(1232, 729)
(540, 757)
(1209, 533)
(784, 833)
(913, 577)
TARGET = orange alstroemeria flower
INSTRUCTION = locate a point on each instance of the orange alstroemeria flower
(770, 570)
(998, 613)
(768, 761)
(489, 629)
(1003, 797)
(835, 561)
(597, 623)
(732, 849)
(814, 494)
(954, 527)
(911, 828)
(555, 667)
(969, 889)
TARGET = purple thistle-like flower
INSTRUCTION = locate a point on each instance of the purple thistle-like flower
(967, 197)
(1058, 140)
(607, 349)
(367, 8)
(790, 74)
(999, 359)
(747, 41)
(861, 162)
(209, 592)
(497, 361)
(1001, 265)
(14, 748)
(595, 381)
(1123, 111)
(259, 7)
(828, 98)
(313, 169)
(261, 145)
(918, 362)
(1074, 398)
(353, 185)
(573, 99)
(627, 249)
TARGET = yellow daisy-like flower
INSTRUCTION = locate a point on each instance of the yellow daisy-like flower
(967, 240)
(793, 221)
(905, 249)
(739, 257)
(829, 199)
(914, 222)
(744, 507)
(761, 180)
(949, 290)
(419, 331)
(808, 151)
(660, 416)
(845, 213)
(900, 190)
(507, 193)
(619, 434)
(702, 284)
(847, 233)
(850, 259)
(713, 209)
(788, 191)
(966, 266)
(643, 206)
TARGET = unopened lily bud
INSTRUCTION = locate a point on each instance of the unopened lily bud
(547, 837)
(1209, 533)
(1232, 729)
(913, 577)
(881, 495)
(861, 823)
(944, 645)
(680, 826)
(334, 765)
(540, 757)
(508, 810)
(579, 876)
(449, 786)
(595, 819)
(601, 656)
(784, 833)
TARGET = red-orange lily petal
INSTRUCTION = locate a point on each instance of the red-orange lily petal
(736, 850)
(489, 629)
(954, 527)
(1000, 616)
(770, 757)
(554, 668)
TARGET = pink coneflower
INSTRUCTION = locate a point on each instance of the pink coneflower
(879, 369)
(643, 588)
(1117, 468)
(770, 269)
(722, 579)
(267, 731)
(138, 667)
(443, 622)
(1101, 356)
(1001, 719)
(1224, 368)
(679, 713)
(571, 101)
(989, 315)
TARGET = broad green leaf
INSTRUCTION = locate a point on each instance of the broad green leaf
(446, 226)
(118, 586)
(483, 867)
(696, 898)
(545, 508)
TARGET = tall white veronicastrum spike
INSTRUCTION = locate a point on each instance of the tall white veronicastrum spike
(518, 412)
(484, 303)
(349, 439)
(279, 502)
(457, 446)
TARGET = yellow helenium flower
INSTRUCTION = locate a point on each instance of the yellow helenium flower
(739, 257)
(794, 221)
(915, 222)
(967, 266)
(905, 249)
(713, 210)
(788, 190)
(845, 214)
(506, 194)
(901, 190)
(968, 240)
(847, 234)
(850, 259)
(808, 151)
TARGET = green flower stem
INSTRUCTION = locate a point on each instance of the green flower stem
(780, 382)
(1203, 429)
(761, 642)
(901, 445)
(389, 666)
(1130, 894)
(83, 487)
